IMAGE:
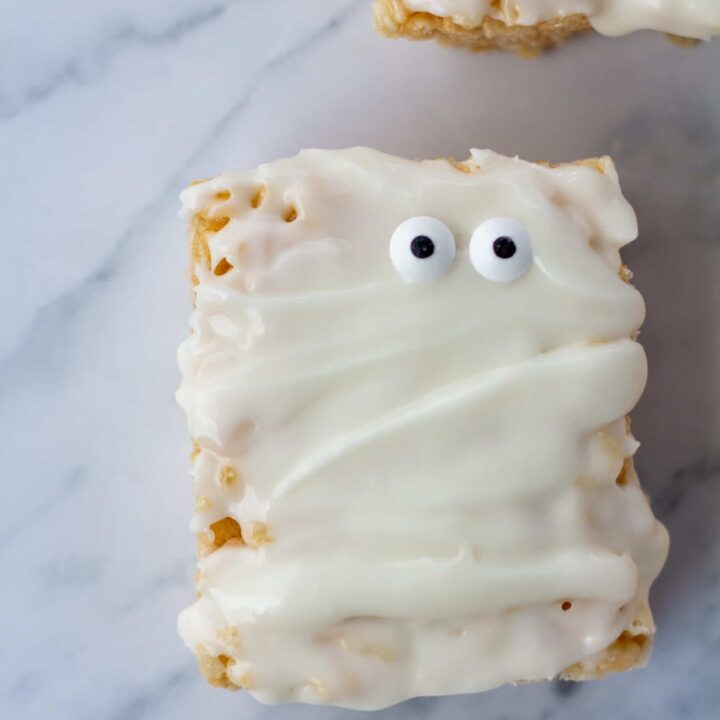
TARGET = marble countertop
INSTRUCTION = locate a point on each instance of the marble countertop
(107, 109)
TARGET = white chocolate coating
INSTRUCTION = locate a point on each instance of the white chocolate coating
(689, 18)
(435, 462)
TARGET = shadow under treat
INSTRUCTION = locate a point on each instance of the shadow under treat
(668, 157)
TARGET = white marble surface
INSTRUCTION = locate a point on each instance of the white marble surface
(107, 109)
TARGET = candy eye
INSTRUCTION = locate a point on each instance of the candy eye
(422, 249)
(501, 250)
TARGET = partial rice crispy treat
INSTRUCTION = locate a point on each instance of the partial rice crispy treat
(522, 28)
(394, 20)
(407, 385)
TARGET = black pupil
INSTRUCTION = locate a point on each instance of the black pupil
(422, 247)
(504, 248)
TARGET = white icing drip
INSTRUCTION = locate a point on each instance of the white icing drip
(436, 461)
(689, 18)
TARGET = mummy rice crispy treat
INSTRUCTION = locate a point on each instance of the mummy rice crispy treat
(408, 386)
(528, 26)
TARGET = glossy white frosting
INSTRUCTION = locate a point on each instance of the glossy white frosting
(435, 462)
(689, 18)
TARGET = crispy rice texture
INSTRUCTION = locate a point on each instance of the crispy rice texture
(393, 19)
(631, 649)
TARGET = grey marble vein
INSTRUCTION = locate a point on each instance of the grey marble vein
(145, 704)
(691, 478)
(73, 571)
(76, 71)
(61, 311)
(70, 484)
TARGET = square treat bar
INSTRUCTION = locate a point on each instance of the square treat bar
(529, 26)
(407, 384)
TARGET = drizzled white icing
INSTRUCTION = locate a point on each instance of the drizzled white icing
(689, 18)
(435, 462)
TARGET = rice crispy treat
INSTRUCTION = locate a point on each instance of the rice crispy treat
(408, 385)
(530, 26)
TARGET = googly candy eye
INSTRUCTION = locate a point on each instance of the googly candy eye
(422, 248)
(501, 250)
